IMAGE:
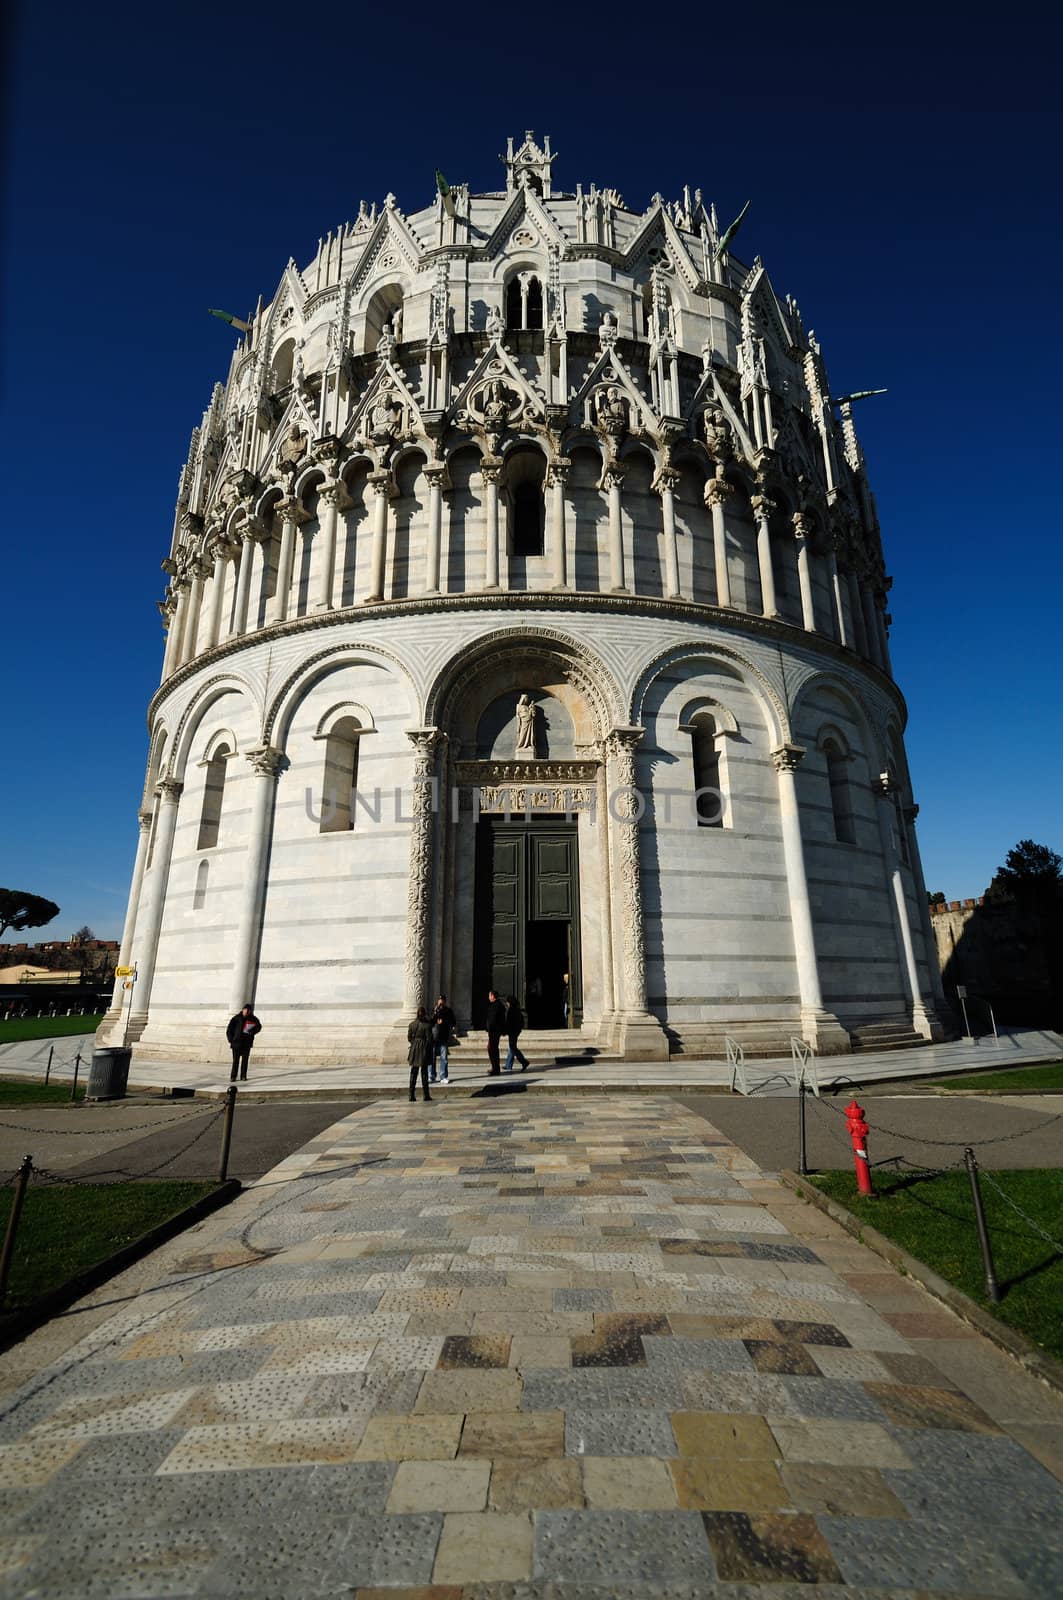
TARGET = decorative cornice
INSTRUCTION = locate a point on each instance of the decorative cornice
(572, 602)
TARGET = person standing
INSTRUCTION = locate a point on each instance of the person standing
(419, 1055)
(241, 1036)
(443, 1024)
(495, 1023)
(514, 1029)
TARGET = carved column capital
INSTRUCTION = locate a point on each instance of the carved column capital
(437, 475)
(884, 785)
(666, 478)
(267, 760)
(255, 529)
(490, 469)
(169, 790)
(144, 818)
(799, 523)
(380, 482)
(291, 509)
(613, 476)
(717, 492)
(223, 549)
(333, 494)
(763, 506)
(201, 568)
(557, 473)
(788, 757)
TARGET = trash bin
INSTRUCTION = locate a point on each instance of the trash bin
(108, 1074)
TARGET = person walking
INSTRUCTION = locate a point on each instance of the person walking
(241, 1036)
(514, 1029)
(443, 1024)
(495, 1023)
(419, 1055)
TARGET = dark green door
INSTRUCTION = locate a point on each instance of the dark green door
(526, 939)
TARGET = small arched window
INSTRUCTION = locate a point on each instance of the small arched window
(340, 779)
(706, 761)
(213, 795)
(840, 800)
(199, 898)
(527, 520)
(524, 302)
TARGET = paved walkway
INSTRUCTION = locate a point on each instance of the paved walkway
(550, 1349)
(1023, 1047)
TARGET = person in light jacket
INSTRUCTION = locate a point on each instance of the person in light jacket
(419, 1055)
(241, 1036)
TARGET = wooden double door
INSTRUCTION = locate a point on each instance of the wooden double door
(527, 920)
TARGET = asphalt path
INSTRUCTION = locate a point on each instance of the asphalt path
(114, 1141)
(928, 1130)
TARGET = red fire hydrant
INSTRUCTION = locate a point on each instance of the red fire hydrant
(858, 1132)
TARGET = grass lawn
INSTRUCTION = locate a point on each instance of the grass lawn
(47, 1027)
(933, 1219)
(21, 1092)
(66, 1229)
(1049, 1075)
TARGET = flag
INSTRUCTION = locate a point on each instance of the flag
(234, 322)
(731, 231)
(444, 193)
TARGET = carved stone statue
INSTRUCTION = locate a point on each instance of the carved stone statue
(612, 412)
(293, 449)
(495, 327)
(718, 439)
(608, 330)
(384, 419)
(496, 406)
(525, 728)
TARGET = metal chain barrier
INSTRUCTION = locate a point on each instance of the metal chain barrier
(956, 1144)
(1025, 1215)
(76, 1133)
(47, 1176)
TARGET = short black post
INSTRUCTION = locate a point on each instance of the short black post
(17, 1198)
(991, 1288)
(802, 1155)
(77, 1069)
(48, 1068)
(227, 1132)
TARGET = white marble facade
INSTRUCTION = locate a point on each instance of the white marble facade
(544, 445)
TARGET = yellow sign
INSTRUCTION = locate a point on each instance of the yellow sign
(123, 972)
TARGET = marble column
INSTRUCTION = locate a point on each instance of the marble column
(125, 948)
(556, 477)
(435, 472)
(888, 822)
(667, 479)
(937, 987)
(717, 494)
(874, 648)
(332, 499)
(639, 1035)
(763, 508)
(491, 471)
(380, 484)
(836, 598)
(243, 581)
(612, 480)
(183, 587)
(856, 615)
(804, 572)
(149, 920)
(291, 513)
(818, 1026)
(169, 608)
(426, 745)
(200, 571)
(222, 551)
(266, 763)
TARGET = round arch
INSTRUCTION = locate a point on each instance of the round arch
(854, 701)
(764, 692)
(197, 708)
(279, 714)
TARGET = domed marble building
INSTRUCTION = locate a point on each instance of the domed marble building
(526, 627)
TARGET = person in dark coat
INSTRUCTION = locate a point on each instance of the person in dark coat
(419, 1055)
(495, 1023)
(514, 1029)
(443, 1024)
(241, 1036)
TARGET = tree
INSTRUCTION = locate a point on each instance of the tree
(84, 935)
(936, 899)
(20, 910)
(1030, 864)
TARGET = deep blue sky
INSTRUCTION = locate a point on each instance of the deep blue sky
(903, 167)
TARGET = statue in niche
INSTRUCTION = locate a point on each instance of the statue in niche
(384, 422)
(293, 449)
(612, 412)
(525, 729)
(494, 326)
(718, 439)
(608, 330)
(496, 406)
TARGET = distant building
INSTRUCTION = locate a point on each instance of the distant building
(526, 626)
